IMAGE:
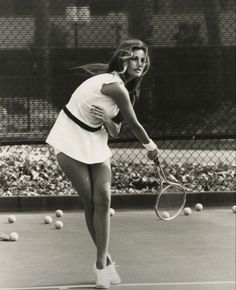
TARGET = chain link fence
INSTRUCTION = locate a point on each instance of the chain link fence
(187, 101)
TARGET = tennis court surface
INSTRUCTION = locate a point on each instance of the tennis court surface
(194, 252)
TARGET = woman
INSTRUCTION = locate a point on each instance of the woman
(80, 137)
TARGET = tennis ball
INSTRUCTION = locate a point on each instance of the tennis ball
(48, 219)
(59, 213)
(165, 214)
(11, 219)
(112, 212)
(58, 225)
(234, 208)
(14, 236)
(198, 206)
(187, 211)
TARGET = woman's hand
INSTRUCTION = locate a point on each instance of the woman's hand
(112, 128)
(99, 113)
(153, 155)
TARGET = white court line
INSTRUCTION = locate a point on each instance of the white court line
(71, 287)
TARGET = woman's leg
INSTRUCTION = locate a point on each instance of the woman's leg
(79, 175)
(101, 180)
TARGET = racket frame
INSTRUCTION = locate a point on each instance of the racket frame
(163, 179)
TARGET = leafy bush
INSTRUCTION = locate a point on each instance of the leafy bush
(34, 171)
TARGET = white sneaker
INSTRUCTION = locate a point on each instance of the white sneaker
(102, 280)
(113, 275)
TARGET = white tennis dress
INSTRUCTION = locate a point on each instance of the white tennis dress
(68, 137)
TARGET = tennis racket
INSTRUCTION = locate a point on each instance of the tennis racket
(171, 196)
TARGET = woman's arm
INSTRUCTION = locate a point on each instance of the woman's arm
(112, 127)
(121, 96)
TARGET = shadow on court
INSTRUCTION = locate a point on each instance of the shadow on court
(194, 252)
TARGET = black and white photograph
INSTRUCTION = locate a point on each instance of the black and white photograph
(117, 144)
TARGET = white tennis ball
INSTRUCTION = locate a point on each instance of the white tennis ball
(198, 206)
(187, 211)
(112, 212)
(234, 208)
(48, 219)
(11, 219)
(165, 214)
(59, 213)
(58, 225)
(14, 236)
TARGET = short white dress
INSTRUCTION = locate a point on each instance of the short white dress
(68, 137)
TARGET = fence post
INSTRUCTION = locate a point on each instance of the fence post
(140, 15)
(42, 46)
(212, 17)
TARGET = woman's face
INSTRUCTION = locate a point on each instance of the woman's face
(136, 64)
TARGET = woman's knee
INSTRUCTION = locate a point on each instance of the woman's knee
(87, 201)
(102, 200)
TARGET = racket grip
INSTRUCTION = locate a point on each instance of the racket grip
(156, 161)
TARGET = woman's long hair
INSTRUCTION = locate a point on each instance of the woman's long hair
(125, 52)
(118, 63)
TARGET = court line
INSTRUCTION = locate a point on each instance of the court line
(71, 287)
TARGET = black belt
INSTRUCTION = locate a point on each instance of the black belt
(80, 123)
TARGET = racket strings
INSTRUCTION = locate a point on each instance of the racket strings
(171, 198)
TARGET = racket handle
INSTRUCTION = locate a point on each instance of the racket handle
(156, 161)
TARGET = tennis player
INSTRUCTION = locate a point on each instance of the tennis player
(80, 138)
